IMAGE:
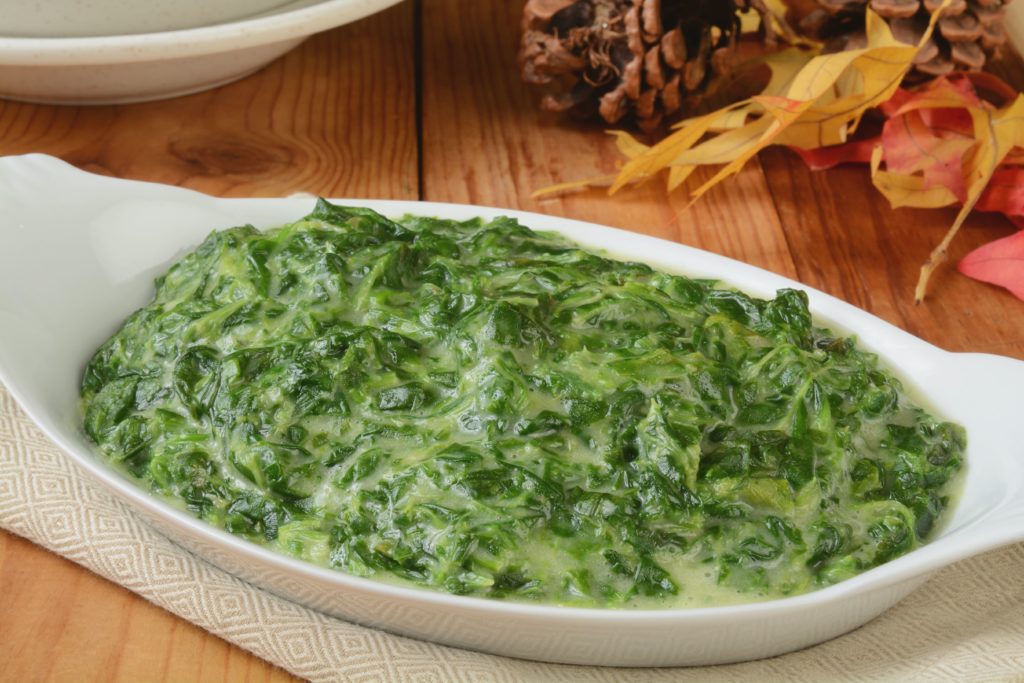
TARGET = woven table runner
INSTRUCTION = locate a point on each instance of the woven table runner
(966, 624)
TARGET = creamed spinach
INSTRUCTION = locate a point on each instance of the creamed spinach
(483, 409)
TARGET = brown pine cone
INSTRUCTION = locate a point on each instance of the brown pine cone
(649, 59)
(969, 33)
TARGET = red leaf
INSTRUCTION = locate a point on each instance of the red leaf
(858, 152)
(893, 105)
(999, 263)
(958, 91)
(948, 123)
(1004, 193)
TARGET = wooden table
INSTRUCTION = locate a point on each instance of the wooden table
(424, 101)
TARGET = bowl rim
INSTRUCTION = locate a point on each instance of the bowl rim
(272, 26)
(935, 554)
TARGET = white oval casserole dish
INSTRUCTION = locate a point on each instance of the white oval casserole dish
(79, 253)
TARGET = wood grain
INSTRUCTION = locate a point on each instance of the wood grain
(59, 622)
(338, 117)
(335, 117)
(484, 142)
(846, 241)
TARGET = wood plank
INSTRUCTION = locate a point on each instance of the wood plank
(335, 117)
(62, 623)
(848, 242)
(485, 142)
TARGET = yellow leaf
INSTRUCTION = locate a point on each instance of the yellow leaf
(627, 144)
(785, 66)
(661, 155)
(737, 118)
(881, 67)
(574, 186)
(726, 147)
(909, 190)
(762, 133)
(998, 132)
(677, 175)
(810, 100)
(880, 35)
(802, 106)
(818, 77)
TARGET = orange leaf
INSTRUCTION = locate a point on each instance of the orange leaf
(912, 146)
(948, 123)
(942, 93)
(1015, 158)
(893, 104)
(999, 263)
(1004, 193)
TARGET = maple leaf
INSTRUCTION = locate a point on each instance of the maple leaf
(999, 263)
(912, 144)
(1005, 192)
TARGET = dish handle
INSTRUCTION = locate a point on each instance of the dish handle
(988, 391)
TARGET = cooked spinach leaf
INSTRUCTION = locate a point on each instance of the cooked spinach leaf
(482, 409)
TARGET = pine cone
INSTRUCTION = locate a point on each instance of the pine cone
(651, 59)
(969, 32)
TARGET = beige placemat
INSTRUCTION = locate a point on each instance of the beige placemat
(967, 624)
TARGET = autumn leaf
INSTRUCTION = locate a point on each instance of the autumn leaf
(956, 140)
(997, 133)
(941, 93)
(827, 157)
(999, 263)
(908, 190)
(1004, 193)
(941, 145)
(810, 100)
(912, 146)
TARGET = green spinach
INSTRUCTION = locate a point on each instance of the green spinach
(483, 409)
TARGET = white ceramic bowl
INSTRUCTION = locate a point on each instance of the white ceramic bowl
(163, 63)
(79, 254)
(69, 18)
